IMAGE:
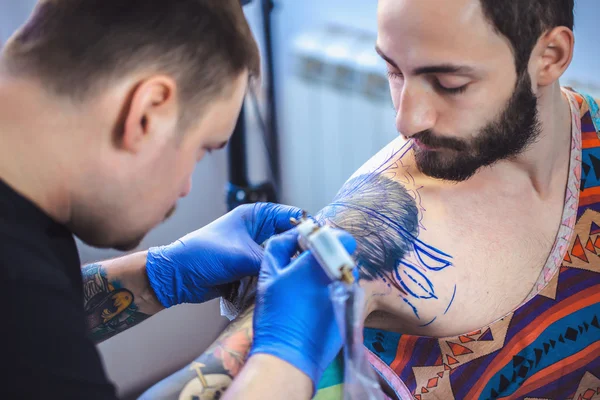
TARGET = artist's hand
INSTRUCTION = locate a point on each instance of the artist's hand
(227, 250)
(294, 318)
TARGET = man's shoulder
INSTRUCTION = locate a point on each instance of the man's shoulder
(32, 244)
(32, 260)
(588, 102)
(592, 108)
(397, 153)
(48, 343)
(391, 173)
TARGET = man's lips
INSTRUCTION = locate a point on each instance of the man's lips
(422, 146)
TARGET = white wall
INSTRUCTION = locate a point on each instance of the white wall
(297, 16)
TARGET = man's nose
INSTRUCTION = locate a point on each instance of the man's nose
(187, 188)
(415, 113)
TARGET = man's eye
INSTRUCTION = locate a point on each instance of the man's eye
(454, 90)
(394, 75)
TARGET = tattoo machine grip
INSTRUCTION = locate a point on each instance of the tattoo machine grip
(337, 263)
(347, 297)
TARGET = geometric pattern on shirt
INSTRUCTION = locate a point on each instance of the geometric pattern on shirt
(586, 245)
(434, 381)
(589, 388)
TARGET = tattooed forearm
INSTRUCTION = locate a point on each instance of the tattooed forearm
(109, 307)
(221, 363)
(211, 374)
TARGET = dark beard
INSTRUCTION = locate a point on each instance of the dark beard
(134, 243)
(510, 135)
(129, 245)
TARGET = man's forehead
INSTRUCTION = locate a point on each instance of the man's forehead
(436, 31)
(421, 11)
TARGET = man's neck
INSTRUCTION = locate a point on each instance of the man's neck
(547, 159)
(31, 159)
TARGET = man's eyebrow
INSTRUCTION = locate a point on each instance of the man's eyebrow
(386, 58)
(431, 69)
(444, 69)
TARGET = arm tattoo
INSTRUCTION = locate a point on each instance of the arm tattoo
(109, 307)
(222, 362)
(211, 374)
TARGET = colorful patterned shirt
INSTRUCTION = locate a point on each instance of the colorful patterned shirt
(549, 347)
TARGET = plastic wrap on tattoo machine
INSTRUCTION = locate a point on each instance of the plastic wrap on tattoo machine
(360, 382)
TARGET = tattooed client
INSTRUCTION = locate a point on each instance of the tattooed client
(105, 108)
(478, 229)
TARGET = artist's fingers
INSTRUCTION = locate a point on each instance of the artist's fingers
(270, 219)
(280, 249)
(307, 269)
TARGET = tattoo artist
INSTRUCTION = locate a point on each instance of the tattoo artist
(105, 108)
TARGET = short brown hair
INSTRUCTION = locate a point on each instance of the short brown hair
(75, 46)
(524, 22)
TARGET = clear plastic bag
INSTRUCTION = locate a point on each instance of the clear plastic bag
(360, 381)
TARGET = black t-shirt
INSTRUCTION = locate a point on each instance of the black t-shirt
(45, 352)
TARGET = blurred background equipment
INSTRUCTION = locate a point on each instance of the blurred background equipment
(322, 109)
(337, 110)
(239, 189)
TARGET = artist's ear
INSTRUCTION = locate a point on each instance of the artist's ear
(552, 55)
(152, 113)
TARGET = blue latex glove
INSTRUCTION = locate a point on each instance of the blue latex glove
(294, 318)
(227, 250)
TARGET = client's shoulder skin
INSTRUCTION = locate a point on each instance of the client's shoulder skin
(382, 207)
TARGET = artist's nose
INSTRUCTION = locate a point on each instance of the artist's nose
(415, 111)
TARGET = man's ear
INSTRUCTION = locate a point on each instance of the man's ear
(553, 53)
(151, 113)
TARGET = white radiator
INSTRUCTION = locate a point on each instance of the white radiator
(337, 113)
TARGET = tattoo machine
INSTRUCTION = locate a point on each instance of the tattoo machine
(348, 302)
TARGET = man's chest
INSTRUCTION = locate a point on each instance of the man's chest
(493, 250)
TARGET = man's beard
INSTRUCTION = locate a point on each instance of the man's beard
(457, 160)
(131, 244)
